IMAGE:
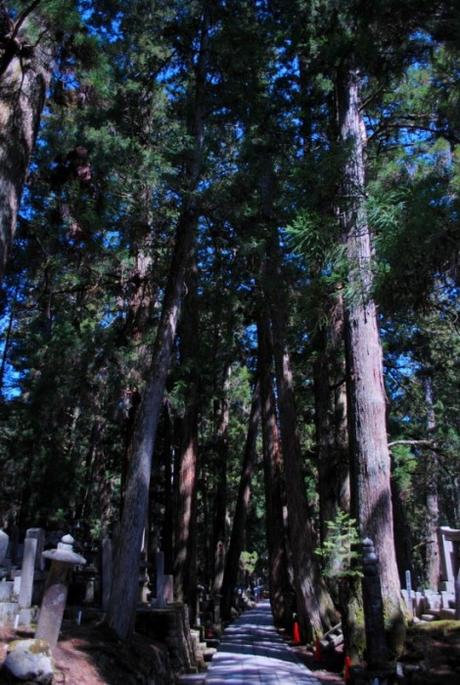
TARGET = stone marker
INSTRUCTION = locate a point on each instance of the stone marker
(4, 541)
(168, 588)
(39, 535)
(160, 601)
(450, 540)
(457, 596)
(376, 648)
(16, 575)
(52, 610)
(409, 602)
(107, 561)
(27, 573)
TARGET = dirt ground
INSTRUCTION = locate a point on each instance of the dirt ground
(89, 655)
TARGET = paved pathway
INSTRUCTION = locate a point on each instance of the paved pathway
(252, 653)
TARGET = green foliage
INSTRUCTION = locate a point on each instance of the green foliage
(338, 551)
(248, 561)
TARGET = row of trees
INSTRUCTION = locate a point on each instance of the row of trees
(228, 207)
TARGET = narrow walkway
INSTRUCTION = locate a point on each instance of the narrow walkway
(252, 653)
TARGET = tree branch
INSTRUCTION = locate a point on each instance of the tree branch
(23, 16)
(422, 443)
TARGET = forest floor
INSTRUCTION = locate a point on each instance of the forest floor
(89, 655)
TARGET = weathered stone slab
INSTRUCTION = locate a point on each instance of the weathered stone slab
(107, 565)
(8, 612)
(27, 572)
(4, 542)
(6, 591)
(39, 535)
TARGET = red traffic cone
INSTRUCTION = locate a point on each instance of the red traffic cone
(296, 633)
(346, 669)
(317, 653)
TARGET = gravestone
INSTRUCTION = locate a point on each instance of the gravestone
(39, 535)
(168, 588)
(409, 599)
(4, 541)
(450, 542)
(144, 579)
(27, 573)
(160, 601)
(376, 648)
(107, 562)
(89, 578)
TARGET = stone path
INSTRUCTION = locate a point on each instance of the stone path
(252, 653)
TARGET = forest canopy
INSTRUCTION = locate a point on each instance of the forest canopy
(206, 206)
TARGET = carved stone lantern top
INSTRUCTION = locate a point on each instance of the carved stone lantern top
(64, 553)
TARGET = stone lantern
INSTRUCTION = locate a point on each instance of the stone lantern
(63, 559)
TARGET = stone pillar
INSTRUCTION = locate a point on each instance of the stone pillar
(457, 582)
(39, 535)
(168, 588)
(376, 648)
(52, 610)
(107, 562)
(27, 573)
(160, 579)
(4, 541)
(448, 537)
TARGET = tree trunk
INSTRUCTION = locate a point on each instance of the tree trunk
(371, 492)
(241, 510)
(331, 419)
(432, 557)
(170, 490)
(220, 508)
(402, 531)
(281, 593)
(314, 605)
(184, 573)
(186, 505)
(121, 614)
(24, 79)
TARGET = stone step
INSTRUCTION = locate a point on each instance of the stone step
(429, 617)
(191, 679)
(212, 642)
(209, 653)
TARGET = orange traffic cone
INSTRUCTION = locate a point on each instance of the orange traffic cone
(346, 669)
(317, 653)
(296, 633)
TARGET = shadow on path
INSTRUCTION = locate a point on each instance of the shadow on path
(252, 653)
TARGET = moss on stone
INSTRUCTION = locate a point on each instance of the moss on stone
(445, 627)
(34, 646)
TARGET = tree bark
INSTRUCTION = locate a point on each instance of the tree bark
(281, 592)
(432, 556)
(371, 492)
(170, 491)
(331, 419)
(186, 505)
(220, 507)
(25, 76)
(235, 546)
(121, 614)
